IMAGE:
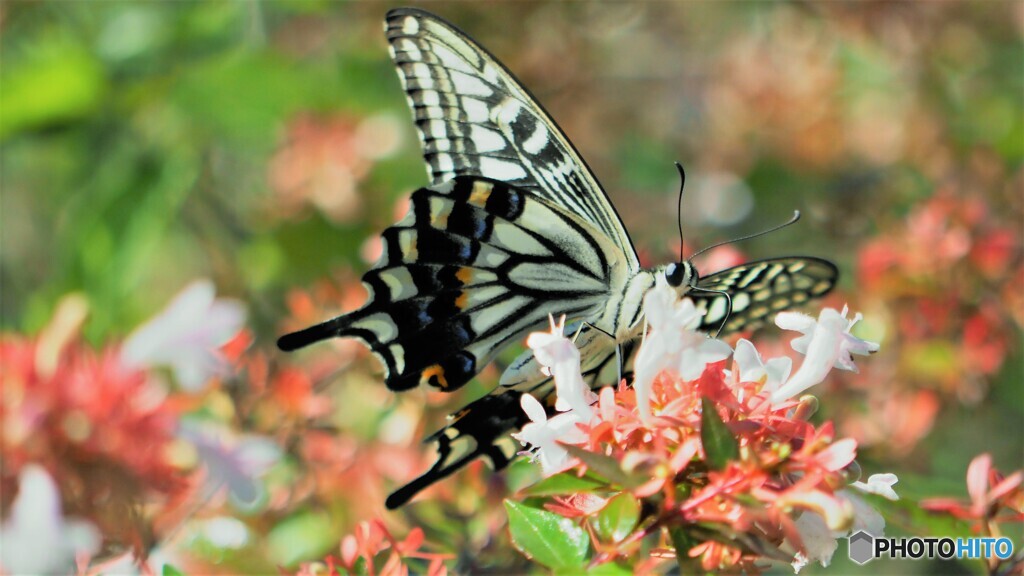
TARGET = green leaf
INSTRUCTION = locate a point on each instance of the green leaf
(565, 483)
(300, 537)
(548, 538)
(606, 466)
(748, 543)
(683, 542)
(720, 446)
(617, 519)
(610, 569)
(58, 82)
(171, 571)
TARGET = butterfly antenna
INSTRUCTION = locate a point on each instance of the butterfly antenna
(791, 221)
(679, 207)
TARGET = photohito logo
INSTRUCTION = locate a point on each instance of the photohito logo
(864, 547)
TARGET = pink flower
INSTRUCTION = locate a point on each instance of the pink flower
(362, 552)
(186, 336)
(988, 490)
(826, 343)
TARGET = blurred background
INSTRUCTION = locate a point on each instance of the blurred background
(263, 145)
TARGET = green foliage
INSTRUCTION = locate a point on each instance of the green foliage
(302, 536)
(719, 443)
(548, 538)
(565, 483)
(618, 518)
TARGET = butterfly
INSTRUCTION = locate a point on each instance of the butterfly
(514, 227)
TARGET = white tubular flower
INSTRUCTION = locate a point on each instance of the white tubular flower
(36, 537)
(865, 517)
(880, 484)
(543, 434)
(672, 344)
(236, 462)
(820, 543)
(561, 359)
(186, 336)
(773, 373)
(826, 343)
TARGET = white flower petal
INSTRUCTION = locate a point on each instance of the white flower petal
(880, 484)
(544, 438)
(35, 538)
(748, 361)
(561, 358)
(533, 408)
(865, 517)
(186, 336)
(819, 542)
(778, 370)
(826, 343)
(672, 344)
(659, 306)
(798, 322)
(694, 359)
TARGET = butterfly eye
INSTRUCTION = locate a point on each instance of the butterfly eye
(674, 274)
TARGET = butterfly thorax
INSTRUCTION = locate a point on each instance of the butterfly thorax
(623, 316)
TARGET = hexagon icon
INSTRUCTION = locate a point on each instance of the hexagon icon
(861, 547)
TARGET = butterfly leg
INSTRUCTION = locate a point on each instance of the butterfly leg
(618, 347)
(728, 306)
(618, 361)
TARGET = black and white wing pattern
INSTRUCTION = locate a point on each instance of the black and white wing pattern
(475, 118)
(475, 265)
(759, 290)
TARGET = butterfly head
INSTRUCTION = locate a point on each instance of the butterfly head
(681, 276)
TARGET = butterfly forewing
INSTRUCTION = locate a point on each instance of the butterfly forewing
(759, 290)
(475, 265)
(475, 118)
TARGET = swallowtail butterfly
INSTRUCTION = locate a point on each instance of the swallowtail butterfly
(514, 227)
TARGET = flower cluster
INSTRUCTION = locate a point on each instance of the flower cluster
(323, 160)
(372, 550)
(714, 461)
(946, 283)
(99, 434)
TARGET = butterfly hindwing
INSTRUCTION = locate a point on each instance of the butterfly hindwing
(475, 118)
(481, 429)
(760, 289)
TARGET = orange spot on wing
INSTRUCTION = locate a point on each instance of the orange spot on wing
(434, 376)
(481, 192)
(465, 275)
